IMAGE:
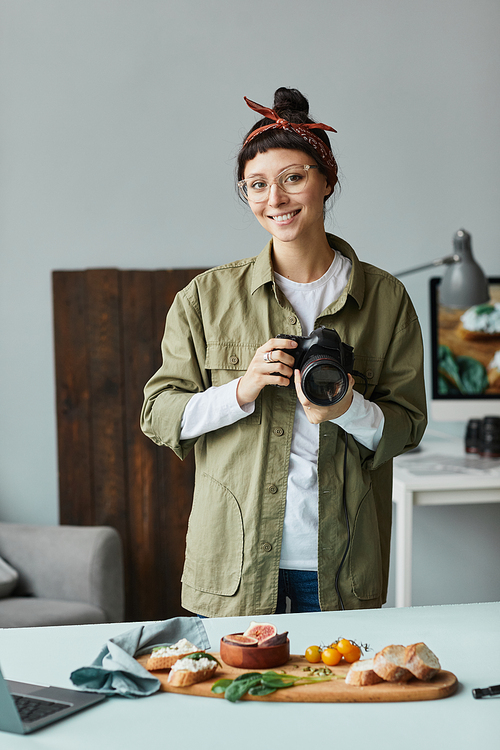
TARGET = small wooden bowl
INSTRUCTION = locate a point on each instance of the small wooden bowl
(254, 657)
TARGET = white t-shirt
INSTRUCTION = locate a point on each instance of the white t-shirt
(218, 407)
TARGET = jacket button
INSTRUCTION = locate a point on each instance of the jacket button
(369, 373)
(234, 359)
(266, 547)
(292, 319)
(272, 489)
(279, 431)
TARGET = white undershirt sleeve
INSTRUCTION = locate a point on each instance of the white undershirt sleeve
(211, 409)
(364, 420)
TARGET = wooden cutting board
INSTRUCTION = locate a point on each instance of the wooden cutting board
(441, 686)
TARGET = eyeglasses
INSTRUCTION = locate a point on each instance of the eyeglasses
(291, 180)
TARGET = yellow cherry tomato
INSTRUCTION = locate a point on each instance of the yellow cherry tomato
(313, 654)
(353, 655)
(350, 651)
(343, 645)
(331, 656)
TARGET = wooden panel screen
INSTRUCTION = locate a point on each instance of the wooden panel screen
(108, 327)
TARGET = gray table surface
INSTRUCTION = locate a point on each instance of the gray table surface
(464, 636)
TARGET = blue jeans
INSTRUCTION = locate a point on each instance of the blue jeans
(301, 587)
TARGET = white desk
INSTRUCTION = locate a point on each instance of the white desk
(440, 473)
(163, 720)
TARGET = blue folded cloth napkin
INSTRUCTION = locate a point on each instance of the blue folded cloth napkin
(116, 672)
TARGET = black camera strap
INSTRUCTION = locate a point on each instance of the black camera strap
(360, 375)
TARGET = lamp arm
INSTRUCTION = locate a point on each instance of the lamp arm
(464, 283)
(448, 260)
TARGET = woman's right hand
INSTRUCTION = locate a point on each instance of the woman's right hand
(260, 372)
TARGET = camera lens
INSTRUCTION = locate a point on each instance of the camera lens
(324, 381)
(490, 437)
(473, 436)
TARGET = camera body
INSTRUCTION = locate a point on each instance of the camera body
(324, 362)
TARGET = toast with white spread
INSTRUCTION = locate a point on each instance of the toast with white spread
(164, 657)
(192, 668)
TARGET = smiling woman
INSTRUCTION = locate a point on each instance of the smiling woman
(288, 203)
(292, 498)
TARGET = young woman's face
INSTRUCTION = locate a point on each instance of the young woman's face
(288, 216)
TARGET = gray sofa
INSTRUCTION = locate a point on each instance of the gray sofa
(67, 575)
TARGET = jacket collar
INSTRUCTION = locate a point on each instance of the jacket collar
(263, 269)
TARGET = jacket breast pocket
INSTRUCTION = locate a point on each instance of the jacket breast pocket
(227, 361)
(214, 544)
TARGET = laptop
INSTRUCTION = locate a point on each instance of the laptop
(25, 707)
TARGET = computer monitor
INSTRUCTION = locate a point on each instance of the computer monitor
(465, 358)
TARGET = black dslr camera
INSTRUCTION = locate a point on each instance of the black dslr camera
(324, 362)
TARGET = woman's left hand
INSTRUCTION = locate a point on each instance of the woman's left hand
(317, 414)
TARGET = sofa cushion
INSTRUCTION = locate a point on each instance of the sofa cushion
(8, 578)
(30, 611)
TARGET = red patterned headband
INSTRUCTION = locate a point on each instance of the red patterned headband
(302, 129)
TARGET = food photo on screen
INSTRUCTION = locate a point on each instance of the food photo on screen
(466, 347)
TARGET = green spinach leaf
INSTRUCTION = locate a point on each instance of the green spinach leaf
(221, 685)
(261, 690)
(239, 688)
(473, 374)
(460, 374)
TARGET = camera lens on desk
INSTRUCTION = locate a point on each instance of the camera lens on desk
(473, 436)
(490, 437)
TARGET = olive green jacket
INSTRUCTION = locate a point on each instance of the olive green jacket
(234, 536)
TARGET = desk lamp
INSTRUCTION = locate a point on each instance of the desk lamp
(464, 283)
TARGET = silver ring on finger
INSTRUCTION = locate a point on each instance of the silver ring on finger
(267, 357)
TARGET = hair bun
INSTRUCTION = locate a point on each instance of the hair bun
(291, 105)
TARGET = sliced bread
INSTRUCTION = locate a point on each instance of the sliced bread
(390, 664)
(421, 661)
(362, 673)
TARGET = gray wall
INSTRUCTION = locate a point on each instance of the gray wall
(120, 122)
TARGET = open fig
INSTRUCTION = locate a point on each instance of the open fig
(241, 640)
(275, 640)
(260, 630)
